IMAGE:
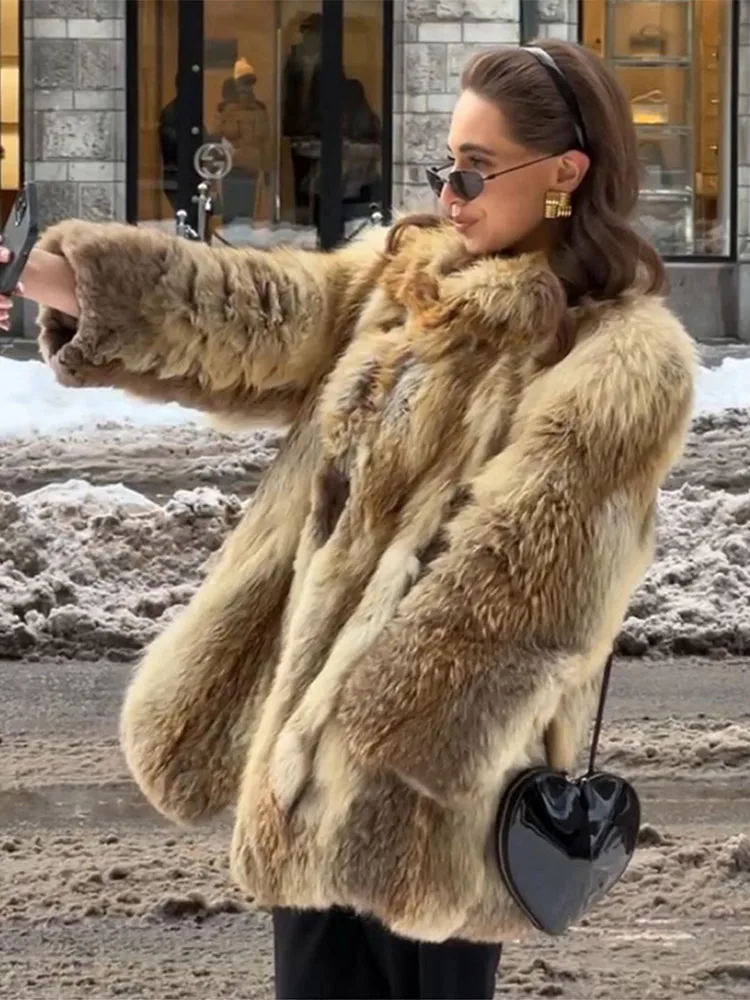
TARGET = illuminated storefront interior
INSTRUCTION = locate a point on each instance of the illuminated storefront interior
(10, 103)
(673, 58)
(259, 93)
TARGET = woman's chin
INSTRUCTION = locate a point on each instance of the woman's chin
(471, 237)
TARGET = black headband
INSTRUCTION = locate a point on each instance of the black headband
(565, 91)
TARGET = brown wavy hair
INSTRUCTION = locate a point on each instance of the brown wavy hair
(600, 255)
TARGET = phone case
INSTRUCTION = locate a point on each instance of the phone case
(19, 236)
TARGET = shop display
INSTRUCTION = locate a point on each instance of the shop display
(672, 59)
(650, 47)
(10, 146)
(649, 41)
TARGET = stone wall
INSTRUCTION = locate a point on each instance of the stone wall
(74, 95)
(558, 19)
(743, 175)
(74, 107)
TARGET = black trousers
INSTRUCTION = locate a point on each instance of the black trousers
(336, 955)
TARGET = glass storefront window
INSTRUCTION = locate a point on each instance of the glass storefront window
(673, 60)
(260, 99)
(242, 92)
(10, 105)
(363, 108)
(157, 111)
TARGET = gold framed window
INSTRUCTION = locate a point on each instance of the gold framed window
(673, 60)
(10, 104)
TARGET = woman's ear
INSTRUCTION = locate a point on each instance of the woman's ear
(571, 169)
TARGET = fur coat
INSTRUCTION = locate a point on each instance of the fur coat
(422, 594)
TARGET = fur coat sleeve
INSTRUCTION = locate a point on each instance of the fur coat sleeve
(238, 332)
(531, 567)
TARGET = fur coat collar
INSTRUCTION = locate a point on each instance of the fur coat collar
(422, 595)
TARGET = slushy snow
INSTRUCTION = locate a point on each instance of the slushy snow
(92, 567)
(32, 401)
(91, 571)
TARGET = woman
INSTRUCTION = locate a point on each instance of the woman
(422, 595)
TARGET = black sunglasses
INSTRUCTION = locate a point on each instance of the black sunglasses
(469, 184)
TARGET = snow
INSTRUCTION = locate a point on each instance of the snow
(725, 387)
(108, 525)
(88, 499)
(34, 403)
(245, 233)
(91, 570)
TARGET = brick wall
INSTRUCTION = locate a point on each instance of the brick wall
(74, 107)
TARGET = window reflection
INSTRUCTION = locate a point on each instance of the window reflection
(169, 147)
(301, 114)
(157, 111)
(363, 108)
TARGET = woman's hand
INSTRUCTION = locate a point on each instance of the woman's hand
(6, 303)
(47, 279)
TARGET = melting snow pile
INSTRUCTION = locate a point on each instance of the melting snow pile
(98, 571)
(696, 596)
(92, 571)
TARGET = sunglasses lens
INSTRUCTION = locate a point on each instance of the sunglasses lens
(467, 184)
(435, 181)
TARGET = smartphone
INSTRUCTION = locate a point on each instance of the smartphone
(19, 236)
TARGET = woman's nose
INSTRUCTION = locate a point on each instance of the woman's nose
(448, 198)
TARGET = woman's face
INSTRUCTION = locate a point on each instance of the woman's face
(509, 211)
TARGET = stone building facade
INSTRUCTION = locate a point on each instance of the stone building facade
(74, 106)
(434, 38)
(743, 173)
(74, 89)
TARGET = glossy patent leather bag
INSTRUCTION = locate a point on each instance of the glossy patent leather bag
(562, 843)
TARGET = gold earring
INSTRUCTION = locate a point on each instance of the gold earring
(557, 205)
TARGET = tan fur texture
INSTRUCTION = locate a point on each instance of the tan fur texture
(422, 596)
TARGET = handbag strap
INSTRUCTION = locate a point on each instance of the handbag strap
(599, 714)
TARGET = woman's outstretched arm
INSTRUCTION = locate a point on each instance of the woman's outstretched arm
(230, 330)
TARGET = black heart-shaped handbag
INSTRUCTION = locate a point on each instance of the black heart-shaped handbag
(562, 842)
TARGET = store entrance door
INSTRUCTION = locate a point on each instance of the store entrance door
(292, 90)
(10, 106)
